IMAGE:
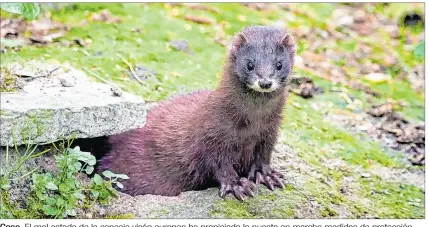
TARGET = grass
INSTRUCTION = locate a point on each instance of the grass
(52, 194)
(307, 131)
(394, 200)
(304, 129)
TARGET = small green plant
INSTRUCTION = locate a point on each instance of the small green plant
(57, 194)
(28, 10)
(102, 190)
(8, 172)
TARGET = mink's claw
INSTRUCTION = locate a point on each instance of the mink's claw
(248, 186)
(277, 173)
(224, 190)
(266, 176)
(238, 193)
(259, 178)
(239, 188)
(269, 183)
(278, 181)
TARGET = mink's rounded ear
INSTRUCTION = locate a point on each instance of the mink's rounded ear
(288, 41)
(238, 41)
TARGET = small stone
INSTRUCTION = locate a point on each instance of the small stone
(411, 135)
(377, 77)
(67, 82)
(342, 17)
(142, 72)
(366, 175)
(116, 91)
(102, 211)
(181, 45)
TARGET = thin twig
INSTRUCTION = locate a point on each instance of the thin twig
(52, 71)
(131, 69)
(15, 143)
(39, 154)
(23, 176)
(98, 77)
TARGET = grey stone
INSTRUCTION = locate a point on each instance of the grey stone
(142, 73)
(45, 111)
(181, 45)
(192, 204)
(67, 83)
(116, 91)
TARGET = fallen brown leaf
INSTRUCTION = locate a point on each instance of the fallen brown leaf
(198, 19)
(197, 6)
(257, 6)
(105, 16)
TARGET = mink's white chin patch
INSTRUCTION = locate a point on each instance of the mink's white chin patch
(255, 86)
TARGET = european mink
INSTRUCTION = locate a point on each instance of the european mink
(220, 138)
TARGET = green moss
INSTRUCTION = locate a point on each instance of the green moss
(306, 131)
(121, 216)
(8, 81)
(158, 213)
(394, 200)
(330, 198)
(12, 209)
(232, 209)
(35, 124)
(327, 211)
(267, 204)
(5, 113)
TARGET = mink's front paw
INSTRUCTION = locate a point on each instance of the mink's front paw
(266, 176)
(240, 188)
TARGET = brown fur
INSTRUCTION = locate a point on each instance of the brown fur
(199, 140)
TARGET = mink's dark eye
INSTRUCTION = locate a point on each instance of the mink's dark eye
(250, 66)
(279, 66)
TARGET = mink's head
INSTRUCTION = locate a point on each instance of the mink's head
(263, 57)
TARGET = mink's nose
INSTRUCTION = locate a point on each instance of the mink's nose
(265, 84)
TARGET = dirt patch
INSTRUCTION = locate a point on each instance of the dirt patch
(304, 87)
(383, 124)
(401, 134)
